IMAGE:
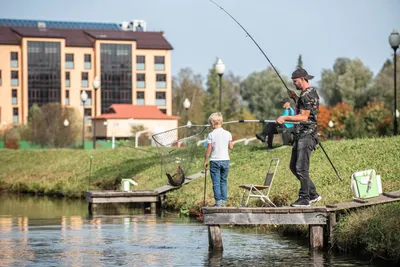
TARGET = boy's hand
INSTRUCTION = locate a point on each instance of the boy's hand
(206, 165)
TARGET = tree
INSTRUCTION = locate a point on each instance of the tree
(384, 84)
(377, 119)
(349, 81)
(47, 125)
(231, 98)
(188, 85)
(299, 62)
(263, 92)
(339, 114)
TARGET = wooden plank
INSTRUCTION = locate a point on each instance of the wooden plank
(316, 236)
(207, 210)
(265, 218)
(215, 238)
(370, 201)
(121, 193)
(124, 199)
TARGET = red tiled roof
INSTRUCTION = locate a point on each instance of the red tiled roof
(126, 111)
(84, 38)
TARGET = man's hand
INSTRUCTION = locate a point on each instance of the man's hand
(206, 165)
(280, 120)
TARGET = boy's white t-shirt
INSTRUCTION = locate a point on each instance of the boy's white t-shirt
(219, 138)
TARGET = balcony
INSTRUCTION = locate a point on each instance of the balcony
(140, 101)
(161, 84)
(69, 64)
(140, 66)
(140, 84)
(14, 63)
(159, 66)
(161, 102)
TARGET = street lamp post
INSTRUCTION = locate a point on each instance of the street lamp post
(330, 124)
(220, 68)
(394, 41)
(84, 97)
(96, 85)
(186, 105)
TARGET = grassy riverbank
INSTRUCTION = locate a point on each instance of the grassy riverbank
(67, 172)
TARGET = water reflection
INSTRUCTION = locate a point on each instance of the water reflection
(58, 233)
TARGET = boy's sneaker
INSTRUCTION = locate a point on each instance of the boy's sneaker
(219, 203)
(316, 198)
(301, 202)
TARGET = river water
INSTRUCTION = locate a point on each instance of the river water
(39, 231)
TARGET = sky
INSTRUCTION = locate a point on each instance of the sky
(200, 32)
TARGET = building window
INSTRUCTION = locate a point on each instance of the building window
(140, 80)
(15, 115)
(14, 97)
(14, 78)
(87, 61)
(88, 115)
(85, 79)
(1, 81)
(14, 59)
(140, 62)
(139, 98)
(69, 61)
(161, 81)
(159, 63)
(67, 97)
(88, 102)
(163, 110)
(160, 99)
(67, 79)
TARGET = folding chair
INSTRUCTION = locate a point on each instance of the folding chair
(261, 191)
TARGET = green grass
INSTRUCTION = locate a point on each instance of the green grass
(66, 172)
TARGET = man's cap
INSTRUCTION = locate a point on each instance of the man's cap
(286, 99)
(301, 73)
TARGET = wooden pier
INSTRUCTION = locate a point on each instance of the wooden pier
(321, 219)
(153, 198)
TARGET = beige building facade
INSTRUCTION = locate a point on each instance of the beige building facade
(43, 63)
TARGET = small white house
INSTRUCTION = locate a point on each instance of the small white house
(120, 118)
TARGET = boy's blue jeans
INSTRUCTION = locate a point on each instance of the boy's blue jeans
(219, 174)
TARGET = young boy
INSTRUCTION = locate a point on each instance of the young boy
(219, 141)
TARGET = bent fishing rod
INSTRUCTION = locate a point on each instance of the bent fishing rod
(290, 92)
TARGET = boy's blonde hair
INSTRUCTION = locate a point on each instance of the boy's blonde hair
(216, 118)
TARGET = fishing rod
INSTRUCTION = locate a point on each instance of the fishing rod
(290, 92)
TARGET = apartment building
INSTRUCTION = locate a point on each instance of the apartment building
(54, 61)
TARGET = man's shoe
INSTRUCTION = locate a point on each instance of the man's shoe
(301, 202)
(269, 147)
(316, 198)
(260, 137)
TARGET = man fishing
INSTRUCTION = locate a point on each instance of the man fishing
(305, 138)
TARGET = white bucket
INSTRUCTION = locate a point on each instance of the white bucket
(126, 184)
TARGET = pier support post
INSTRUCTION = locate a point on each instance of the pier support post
(331, 227)
(214, 238)
(316, 233)
(153, 208)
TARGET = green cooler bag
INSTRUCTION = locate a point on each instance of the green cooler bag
(365, 184)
